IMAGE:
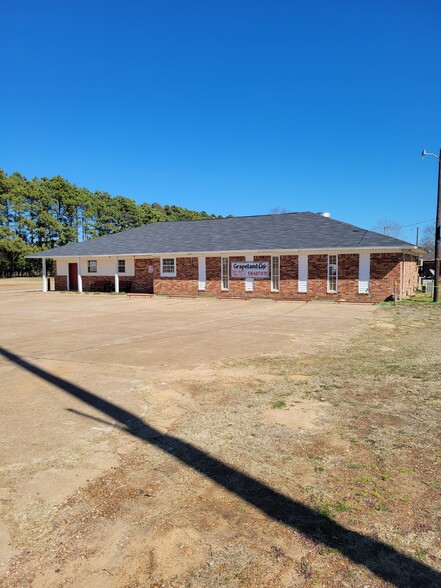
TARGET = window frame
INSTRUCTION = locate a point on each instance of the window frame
(225, 261)
(273, 274)
(122, 271)
(330, 290)
(168, 274)
(89, 270)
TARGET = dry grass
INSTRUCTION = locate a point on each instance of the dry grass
(20, 284)
(377, 463)
(369, 460)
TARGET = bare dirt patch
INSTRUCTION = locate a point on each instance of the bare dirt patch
(304, 415)
(307, 465)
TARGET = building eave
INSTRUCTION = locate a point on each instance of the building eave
(217, 253)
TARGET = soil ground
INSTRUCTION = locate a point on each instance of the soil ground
(21, 284)
(205, 443)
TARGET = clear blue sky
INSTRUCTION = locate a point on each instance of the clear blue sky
(229, 106)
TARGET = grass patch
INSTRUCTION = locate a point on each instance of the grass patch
(278, 404)
(377, 467)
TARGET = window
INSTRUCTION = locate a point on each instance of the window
(121, 266)
(92, 266)
(168, 267)
(332, 273)
(225, 273)
(275, 273)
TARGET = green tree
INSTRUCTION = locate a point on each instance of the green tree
(46, 212)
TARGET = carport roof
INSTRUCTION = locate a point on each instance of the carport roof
(275, 232)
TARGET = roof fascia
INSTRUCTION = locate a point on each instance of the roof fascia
(414, 250)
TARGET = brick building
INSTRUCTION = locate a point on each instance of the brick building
(297, 256)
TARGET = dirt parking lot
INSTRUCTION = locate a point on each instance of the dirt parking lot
(128, 350)
(151, 441)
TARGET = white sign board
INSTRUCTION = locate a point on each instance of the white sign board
(250, 269)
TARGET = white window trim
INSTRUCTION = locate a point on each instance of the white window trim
(168, 274)
(329, 291)
(125, 266)
(278, 265)
(223, 289)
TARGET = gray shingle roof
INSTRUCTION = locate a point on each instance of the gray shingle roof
(276, 232)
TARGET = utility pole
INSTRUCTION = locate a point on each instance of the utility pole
(437, 228)
(437, 234)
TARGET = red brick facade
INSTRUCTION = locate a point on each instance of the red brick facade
(386, 271)
(145, 269)
(186, 281)
(60, 282)
(410, 275)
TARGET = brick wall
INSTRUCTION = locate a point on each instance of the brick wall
(237, 286)
(385, 273)
(348, 270)
(90, 282)
(262, 288)
(386, 269)
(410, 274)
(186, 281)
(60, 282)
(213, 276)
(318, 276)
(142, 282)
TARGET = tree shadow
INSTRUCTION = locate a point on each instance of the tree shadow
(383, 560)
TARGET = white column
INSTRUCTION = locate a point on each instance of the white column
(80, 281)
(303, 273)
(364, 270)
(116, 276)
(43, 273)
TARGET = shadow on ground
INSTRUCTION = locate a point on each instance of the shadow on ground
(380, 558)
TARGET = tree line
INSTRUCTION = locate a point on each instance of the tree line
(45, 212)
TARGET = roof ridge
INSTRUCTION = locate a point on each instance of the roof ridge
(194, 220)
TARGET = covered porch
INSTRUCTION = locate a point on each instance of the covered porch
(100, 274)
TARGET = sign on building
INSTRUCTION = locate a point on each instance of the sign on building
(250, 269)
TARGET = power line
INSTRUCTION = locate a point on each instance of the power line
(420, 223)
